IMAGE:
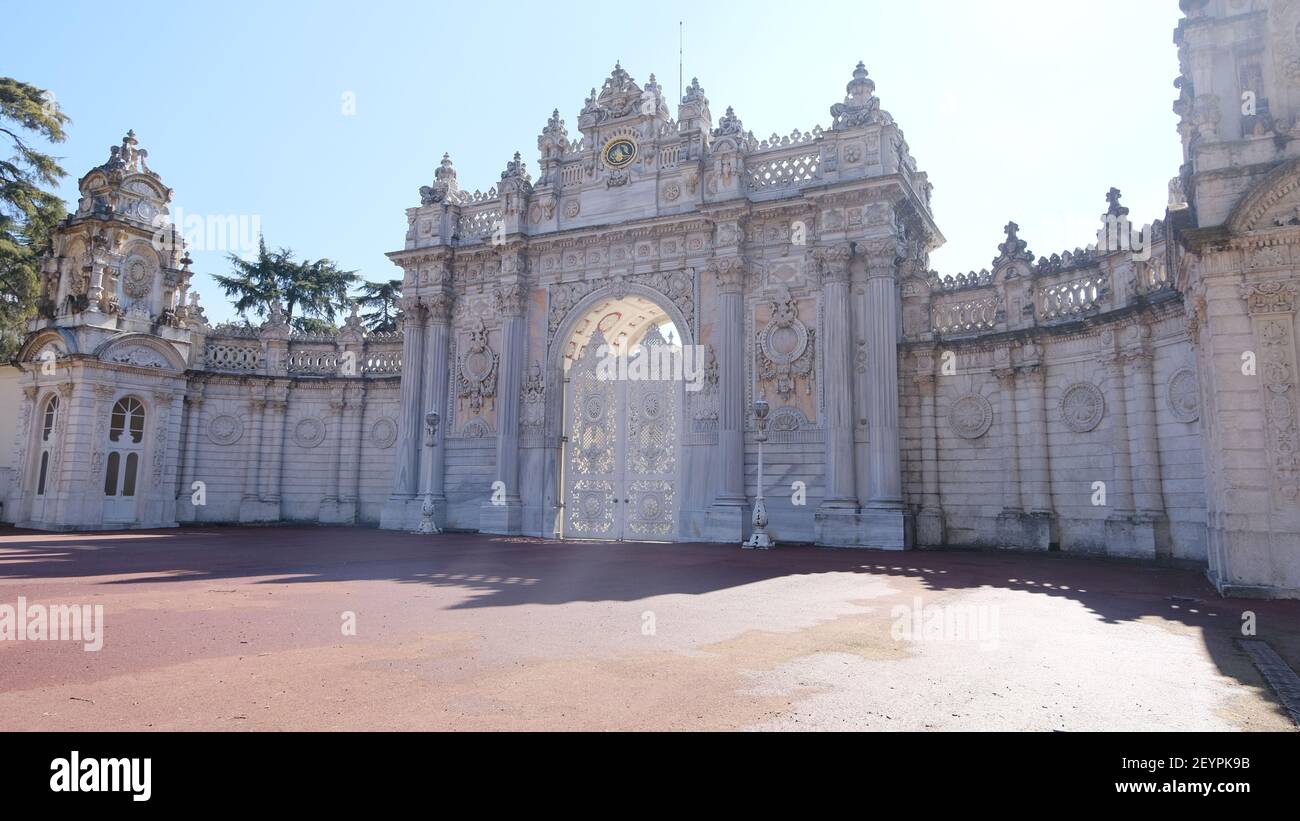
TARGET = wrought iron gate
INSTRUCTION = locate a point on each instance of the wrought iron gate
(622, 459)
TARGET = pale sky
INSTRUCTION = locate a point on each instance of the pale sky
(1018, 109)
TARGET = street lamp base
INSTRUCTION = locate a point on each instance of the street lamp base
(759, 540)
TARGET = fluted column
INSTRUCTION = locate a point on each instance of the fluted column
(510, 301)
(730, 280)
(1011, 502)
(885, 473)
(410, 422)
(837, 371)
(436, 387)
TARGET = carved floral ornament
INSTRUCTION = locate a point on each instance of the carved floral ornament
(1082, 407)
(478, 368)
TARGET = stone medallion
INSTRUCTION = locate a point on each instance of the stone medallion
(1184, 395)
(383, 433)
(137, 280)
(309, 432)
(1082, 407)
(225, 429)
(970, 416)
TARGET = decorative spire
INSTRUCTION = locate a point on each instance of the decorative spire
(860, 106)
(444, 188)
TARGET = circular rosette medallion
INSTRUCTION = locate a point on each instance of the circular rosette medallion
(970, 416)
(1082, 407)
(619, 152)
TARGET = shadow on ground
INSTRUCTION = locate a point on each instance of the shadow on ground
(505, 571)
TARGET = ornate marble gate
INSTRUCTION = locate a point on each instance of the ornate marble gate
(621, 458)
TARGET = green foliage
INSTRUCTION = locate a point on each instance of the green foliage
(312, 293)
(381, 298)
(28, 210)
(312, 325)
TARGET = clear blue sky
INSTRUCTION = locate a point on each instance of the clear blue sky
(1018, 109)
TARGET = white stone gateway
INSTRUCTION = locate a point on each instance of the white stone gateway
(1136, 398)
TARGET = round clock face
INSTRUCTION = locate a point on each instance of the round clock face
(619, 152)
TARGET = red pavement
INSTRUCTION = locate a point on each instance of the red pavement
(242, 628)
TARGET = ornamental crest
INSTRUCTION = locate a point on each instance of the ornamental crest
(785, 347)
(478, 368)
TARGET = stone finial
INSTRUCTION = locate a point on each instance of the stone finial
(1115, 209)
(729, 125)
(515, 169)
(1014, 249)
(445, 187)
(694, 92)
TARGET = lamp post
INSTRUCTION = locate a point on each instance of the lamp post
(759, 538)
(427, 525)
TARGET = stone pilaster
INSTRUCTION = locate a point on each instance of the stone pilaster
(496, 516)
(1150, 520)
(356, 416)
(249, 505)
(929, 521)
(1119, 490)
(1035, 456)
(186, 511)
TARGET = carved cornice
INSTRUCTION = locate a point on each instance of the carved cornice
(1275, 297)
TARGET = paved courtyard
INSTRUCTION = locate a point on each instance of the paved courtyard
(243, 629)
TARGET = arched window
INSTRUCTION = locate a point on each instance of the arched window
(49, 419)
(128, 417)
(122, 466)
